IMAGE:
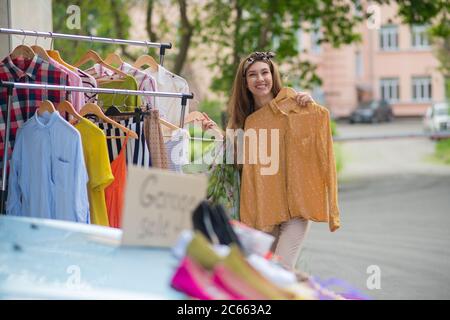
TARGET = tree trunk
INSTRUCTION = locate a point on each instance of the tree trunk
(236, 46)
(263, 36)
(151, 33)
(186, 30)
(119, 29)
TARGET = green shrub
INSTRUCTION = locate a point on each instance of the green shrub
(338, 156)
(443, 151)
(213, 108)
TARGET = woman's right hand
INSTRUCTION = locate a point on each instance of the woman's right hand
(209, 124)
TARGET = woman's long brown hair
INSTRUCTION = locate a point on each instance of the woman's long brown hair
(241, 103)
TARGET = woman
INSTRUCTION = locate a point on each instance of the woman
(257, 82)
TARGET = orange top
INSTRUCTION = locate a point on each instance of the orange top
(115, 192)
(301, 181)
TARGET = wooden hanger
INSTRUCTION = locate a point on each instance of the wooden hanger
(22, 50)
(194, 116)
(198, 116)
(113, 58)
(146, 60)
(41, 52)
(66, 106)
(114, 111)
(56, 56)
(93, 56)
(168, 124)
(46, 105)
(92, 108)
(285, 93)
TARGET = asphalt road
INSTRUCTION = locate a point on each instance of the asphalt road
(395, 215)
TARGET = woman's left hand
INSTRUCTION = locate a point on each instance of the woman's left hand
(304, 99)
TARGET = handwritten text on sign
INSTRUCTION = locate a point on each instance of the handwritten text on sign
(159, 205)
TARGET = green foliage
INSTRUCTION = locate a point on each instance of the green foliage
(442, 151)
(235, 28)
(224, 187)
(447, 87)
(198, 147)
(98, 18)
(213, 108)
(339, 157)
(333, 128)
(247, 26)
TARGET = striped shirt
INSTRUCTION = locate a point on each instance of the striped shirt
(137, 150)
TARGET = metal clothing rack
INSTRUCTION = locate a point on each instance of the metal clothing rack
(162, 46)
(17, 85)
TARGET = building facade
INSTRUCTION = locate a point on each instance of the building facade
(394, 61)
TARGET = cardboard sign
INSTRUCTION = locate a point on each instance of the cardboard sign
(159, 205)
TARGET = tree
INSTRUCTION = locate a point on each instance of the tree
(110, 19)
(233, 28)
(238, 27)
(98, 18)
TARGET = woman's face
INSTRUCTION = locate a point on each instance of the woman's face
(259, 79)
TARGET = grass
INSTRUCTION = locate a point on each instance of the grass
(338, 153)
(339, 157)
(442, 151)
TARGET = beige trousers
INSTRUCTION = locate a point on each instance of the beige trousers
(289, 238)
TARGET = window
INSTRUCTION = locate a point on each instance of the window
(389, 89)
(358, 64)
(419, 37)
(389, 38)
(316, 35)
(421, 89)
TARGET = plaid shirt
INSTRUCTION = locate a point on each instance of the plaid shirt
(26, 101)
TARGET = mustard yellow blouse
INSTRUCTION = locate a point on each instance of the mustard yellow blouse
(303, 182)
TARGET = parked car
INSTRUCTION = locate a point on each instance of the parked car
(437, 118)
(373, 112)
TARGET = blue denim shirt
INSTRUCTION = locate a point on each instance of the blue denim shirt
(48, 175)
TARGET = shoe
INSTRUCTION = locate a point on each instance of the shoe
(225, 279)
(237, 263)
(200, 250)
(191, 279)
(214, 223)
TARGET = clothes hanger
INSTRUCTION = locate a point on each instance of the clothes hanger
(93, 56)
(199, 116)
(168, 124)
(286, 100)
(92, 108)
(66, 106)
(114, 111)
(22, 50)
(285, 93)
(113, 58)
(194, 116)
(40, 51)
(146, 60)
(46, 105)
(54, 54)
